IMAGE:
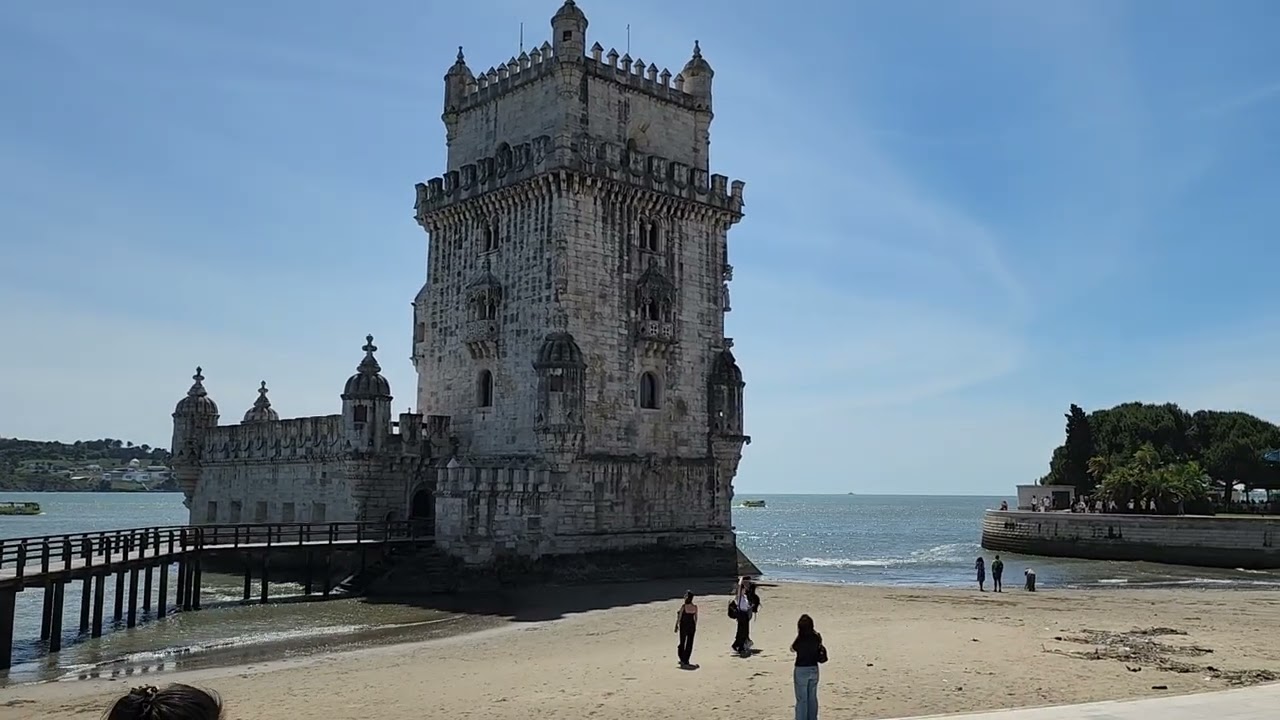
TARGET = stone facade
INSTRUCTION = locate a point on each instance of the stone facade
(576, 390)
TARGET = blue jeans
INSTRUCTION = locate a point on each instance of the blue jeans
(807, 693)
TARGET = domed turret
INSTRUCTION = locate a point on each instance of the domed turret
(569, 32)
(193, 418)
(697, 74)
(368, 382)
(261, 410)
(197, 401)
(725, 370)
(456, 81)
(559, 350)
(725, 395)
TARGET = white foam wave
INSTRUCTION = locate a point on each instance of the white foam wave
(937, 555)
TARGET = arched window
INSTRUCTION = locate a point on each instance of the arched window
(651, 237)
(651, 311)
(555, 380)
(360, 414)
(649, 391)
(490, 241)
(484, 389)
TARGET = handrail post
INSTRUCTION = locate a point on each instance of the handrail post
(22, 558)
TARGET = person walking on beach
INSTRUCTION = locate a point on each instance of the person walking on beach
(686, 626)
(745, 603)
(176, 702)
(981, 567)
(810, 652)
(997, 570)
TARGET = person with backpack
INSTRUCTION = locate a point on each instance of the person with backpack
(997, 570)
(745, 603)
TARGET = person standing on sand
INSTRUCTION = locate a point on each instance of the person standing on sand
(687, 626)
(810, 652)
(744, 606)
(981, 567)
(1031, 579)
(997, 570)
(176, 702)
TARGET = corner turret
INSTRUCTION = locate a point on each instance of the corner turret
(457, 83)
(193, 416)
(697, 74)
(366, 403)
(569, 33)
(261, 410)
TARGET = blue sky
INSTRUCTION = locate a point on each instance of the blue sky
(962, 217)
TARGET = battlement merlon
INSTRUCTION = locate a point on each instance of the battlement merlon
(589, 156)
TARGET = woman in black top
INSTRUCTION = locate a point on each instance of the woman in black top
(686, 626)
(810, 652)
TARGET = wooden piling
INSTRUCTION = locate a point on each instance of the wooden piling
(146, 589)
(46, 612)
(180, 599)
(99, 592)
(8, 607)
(86, 593)
(308, 572)
(266, 566)
(118, 614)
(55, 625)
(195, 584)
(133, 598)
(162, 601)
(248, 580)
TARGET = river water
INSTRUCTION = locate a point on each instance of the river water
(872, 540)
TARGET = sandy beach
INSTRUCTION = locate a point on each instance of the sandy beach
(609, 653)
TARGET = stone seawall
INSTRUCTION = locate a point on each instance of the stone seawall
(1225, 542)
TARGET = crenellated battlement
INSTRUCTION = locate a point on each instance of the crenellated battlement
(591, 156)
(540, 62)
(294, 439)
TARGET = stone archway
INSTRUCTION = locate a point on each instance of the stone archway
(422, 510)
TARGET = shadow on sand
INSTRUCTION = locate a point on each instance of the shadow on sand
(553, 602)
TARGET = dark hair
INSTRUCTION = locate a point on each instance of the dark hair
(688, 596)
(805, 631)
(176, 702)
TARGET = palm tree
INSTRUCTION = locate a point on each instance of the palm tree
(1098, 468)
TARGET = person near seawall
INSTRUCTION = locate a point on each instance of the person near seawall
(176, 702)
(997, 571)
(686, 627)
(810, 653)
(980, 567)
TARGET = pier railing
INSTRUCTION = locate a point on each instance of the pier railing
(53, 553)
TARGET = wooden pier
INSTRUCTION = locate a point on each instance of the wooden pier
(53, 562)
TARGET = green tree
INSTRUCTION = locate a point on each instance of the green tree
(1079, 450)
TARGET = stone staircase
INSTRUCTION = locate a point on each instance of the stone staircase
(420, 571)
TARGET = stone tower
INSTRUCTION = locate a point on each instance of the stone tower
(572, 323)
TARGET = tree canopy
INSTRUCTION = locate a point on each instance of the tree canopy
(1136, 441)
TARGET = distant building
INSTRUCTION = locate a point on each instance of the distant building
(576, 391)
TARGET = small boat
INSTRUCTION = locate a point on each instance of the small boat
(19, 508)
(752, 503)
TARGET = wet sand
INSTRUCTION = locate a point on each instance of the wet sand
(609, 653)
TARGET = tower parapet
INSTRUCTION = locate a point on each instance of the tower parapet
(689, 88)
(513, 165)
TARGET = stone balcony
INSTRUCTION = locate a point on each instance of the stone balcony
(481, 337)
(655, 337)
